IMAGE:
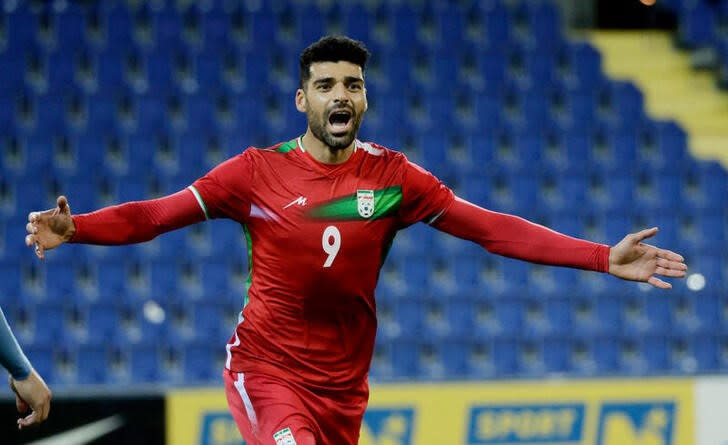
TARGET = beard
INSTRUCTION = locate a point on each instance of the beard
(338, 141)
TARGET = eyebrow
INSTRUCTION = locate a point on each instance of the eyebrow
(347, 79)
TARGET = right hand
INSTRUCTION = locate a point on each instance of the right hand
(50, 228)
(31, 393)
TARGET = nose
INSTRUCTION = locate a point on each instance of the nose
(340, 93)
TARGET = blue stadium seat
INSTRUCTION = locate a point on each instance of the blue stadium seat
(451, 356)
(163, 277)
(404, 357)
(557, 354)
(357, 21)
(22, 26)
(92, 364)
(656, 353)
(202, 362)
(597, 314)
(49, 321)
(60, 279)
(42, 357)
(167, 24)
(502, 316)
(118, 27)
(409, 315)
(697, 24)
(606, 354)
(582, 65)
(9, 275)
(309, 24)
(103, 322)
(544, 22)
(697, 313)
(506, 356)
(144, 363)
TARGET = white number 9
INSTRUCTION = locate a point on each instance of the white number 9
(332, 248)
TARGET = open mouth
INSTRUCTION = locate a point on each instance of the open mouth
(340, 121)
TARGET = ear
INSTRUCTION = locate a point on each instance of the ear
(301, 102)
(366, 101)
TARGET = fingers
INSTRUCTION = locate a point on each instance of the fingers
(673, 265)
(29, 420)
(658, 283)
(670, 272)
(33, 217)
(62, 203)
(39, 250)
(644, 234)
(31, 228)
(670, 255)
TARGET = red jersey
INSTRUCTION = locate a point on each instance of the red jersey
(317, 237)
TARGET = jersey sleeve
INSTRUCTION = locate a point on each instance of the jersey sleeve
(11, 356)
(224, 192)
(424, 197)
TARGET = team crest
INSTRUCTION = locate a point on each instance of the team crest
(365, 203)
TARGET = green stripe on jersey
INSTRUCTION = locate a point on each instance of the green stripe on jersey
(194, 191)
(386, 202)
(249, 281)
(286, 147)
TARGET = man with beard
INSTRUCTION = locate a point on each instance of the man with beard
(319, 214)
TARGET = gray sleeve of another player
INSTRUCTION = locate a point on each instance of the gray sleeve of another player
(11, 356)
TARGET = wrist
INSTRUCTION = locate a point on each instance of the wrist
(71, 232)
(609, 259)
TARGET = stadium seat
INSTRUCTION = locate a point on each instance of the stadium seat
(506, 356)
(697, 24)
(405, 358)
(202, 362)
(145, 363)
(92, 364)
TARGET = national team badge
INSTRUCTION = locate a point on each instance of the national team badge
(284, 437)
(365, 202)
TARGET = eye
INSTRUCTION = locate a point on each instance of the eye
(323, 87)
(355, 87)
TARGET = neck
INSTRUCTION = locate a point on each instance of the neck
(322, 152)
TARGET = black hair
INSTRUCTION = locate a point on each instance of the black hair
(332, 49)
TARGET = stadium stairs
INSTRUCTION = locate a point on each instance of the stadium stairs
(671, 87)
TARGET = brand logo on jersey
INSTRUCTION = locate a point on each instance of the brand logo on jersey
(365, 202)
(284, 437)
(300, 201)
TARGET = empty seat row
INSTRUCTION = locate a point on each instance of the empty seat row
(501, 357)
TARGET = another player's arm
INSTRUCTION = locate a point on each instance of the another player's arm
(128, 223)
(516, 237)
(30, 389)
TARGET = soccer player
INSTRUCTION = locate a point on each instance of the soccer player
(30, 390)
(319, 214)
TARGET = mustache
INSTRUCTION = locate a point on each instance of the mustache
(336, 108)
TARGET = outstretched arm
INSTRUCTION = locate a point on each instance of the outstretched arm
(132, 222)
(515, 237)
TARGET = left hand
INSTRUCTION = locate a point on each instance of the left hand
(635, 261)
(31, 394)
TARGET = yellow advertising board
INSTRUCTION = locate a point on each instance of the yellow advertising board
(569, 412)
